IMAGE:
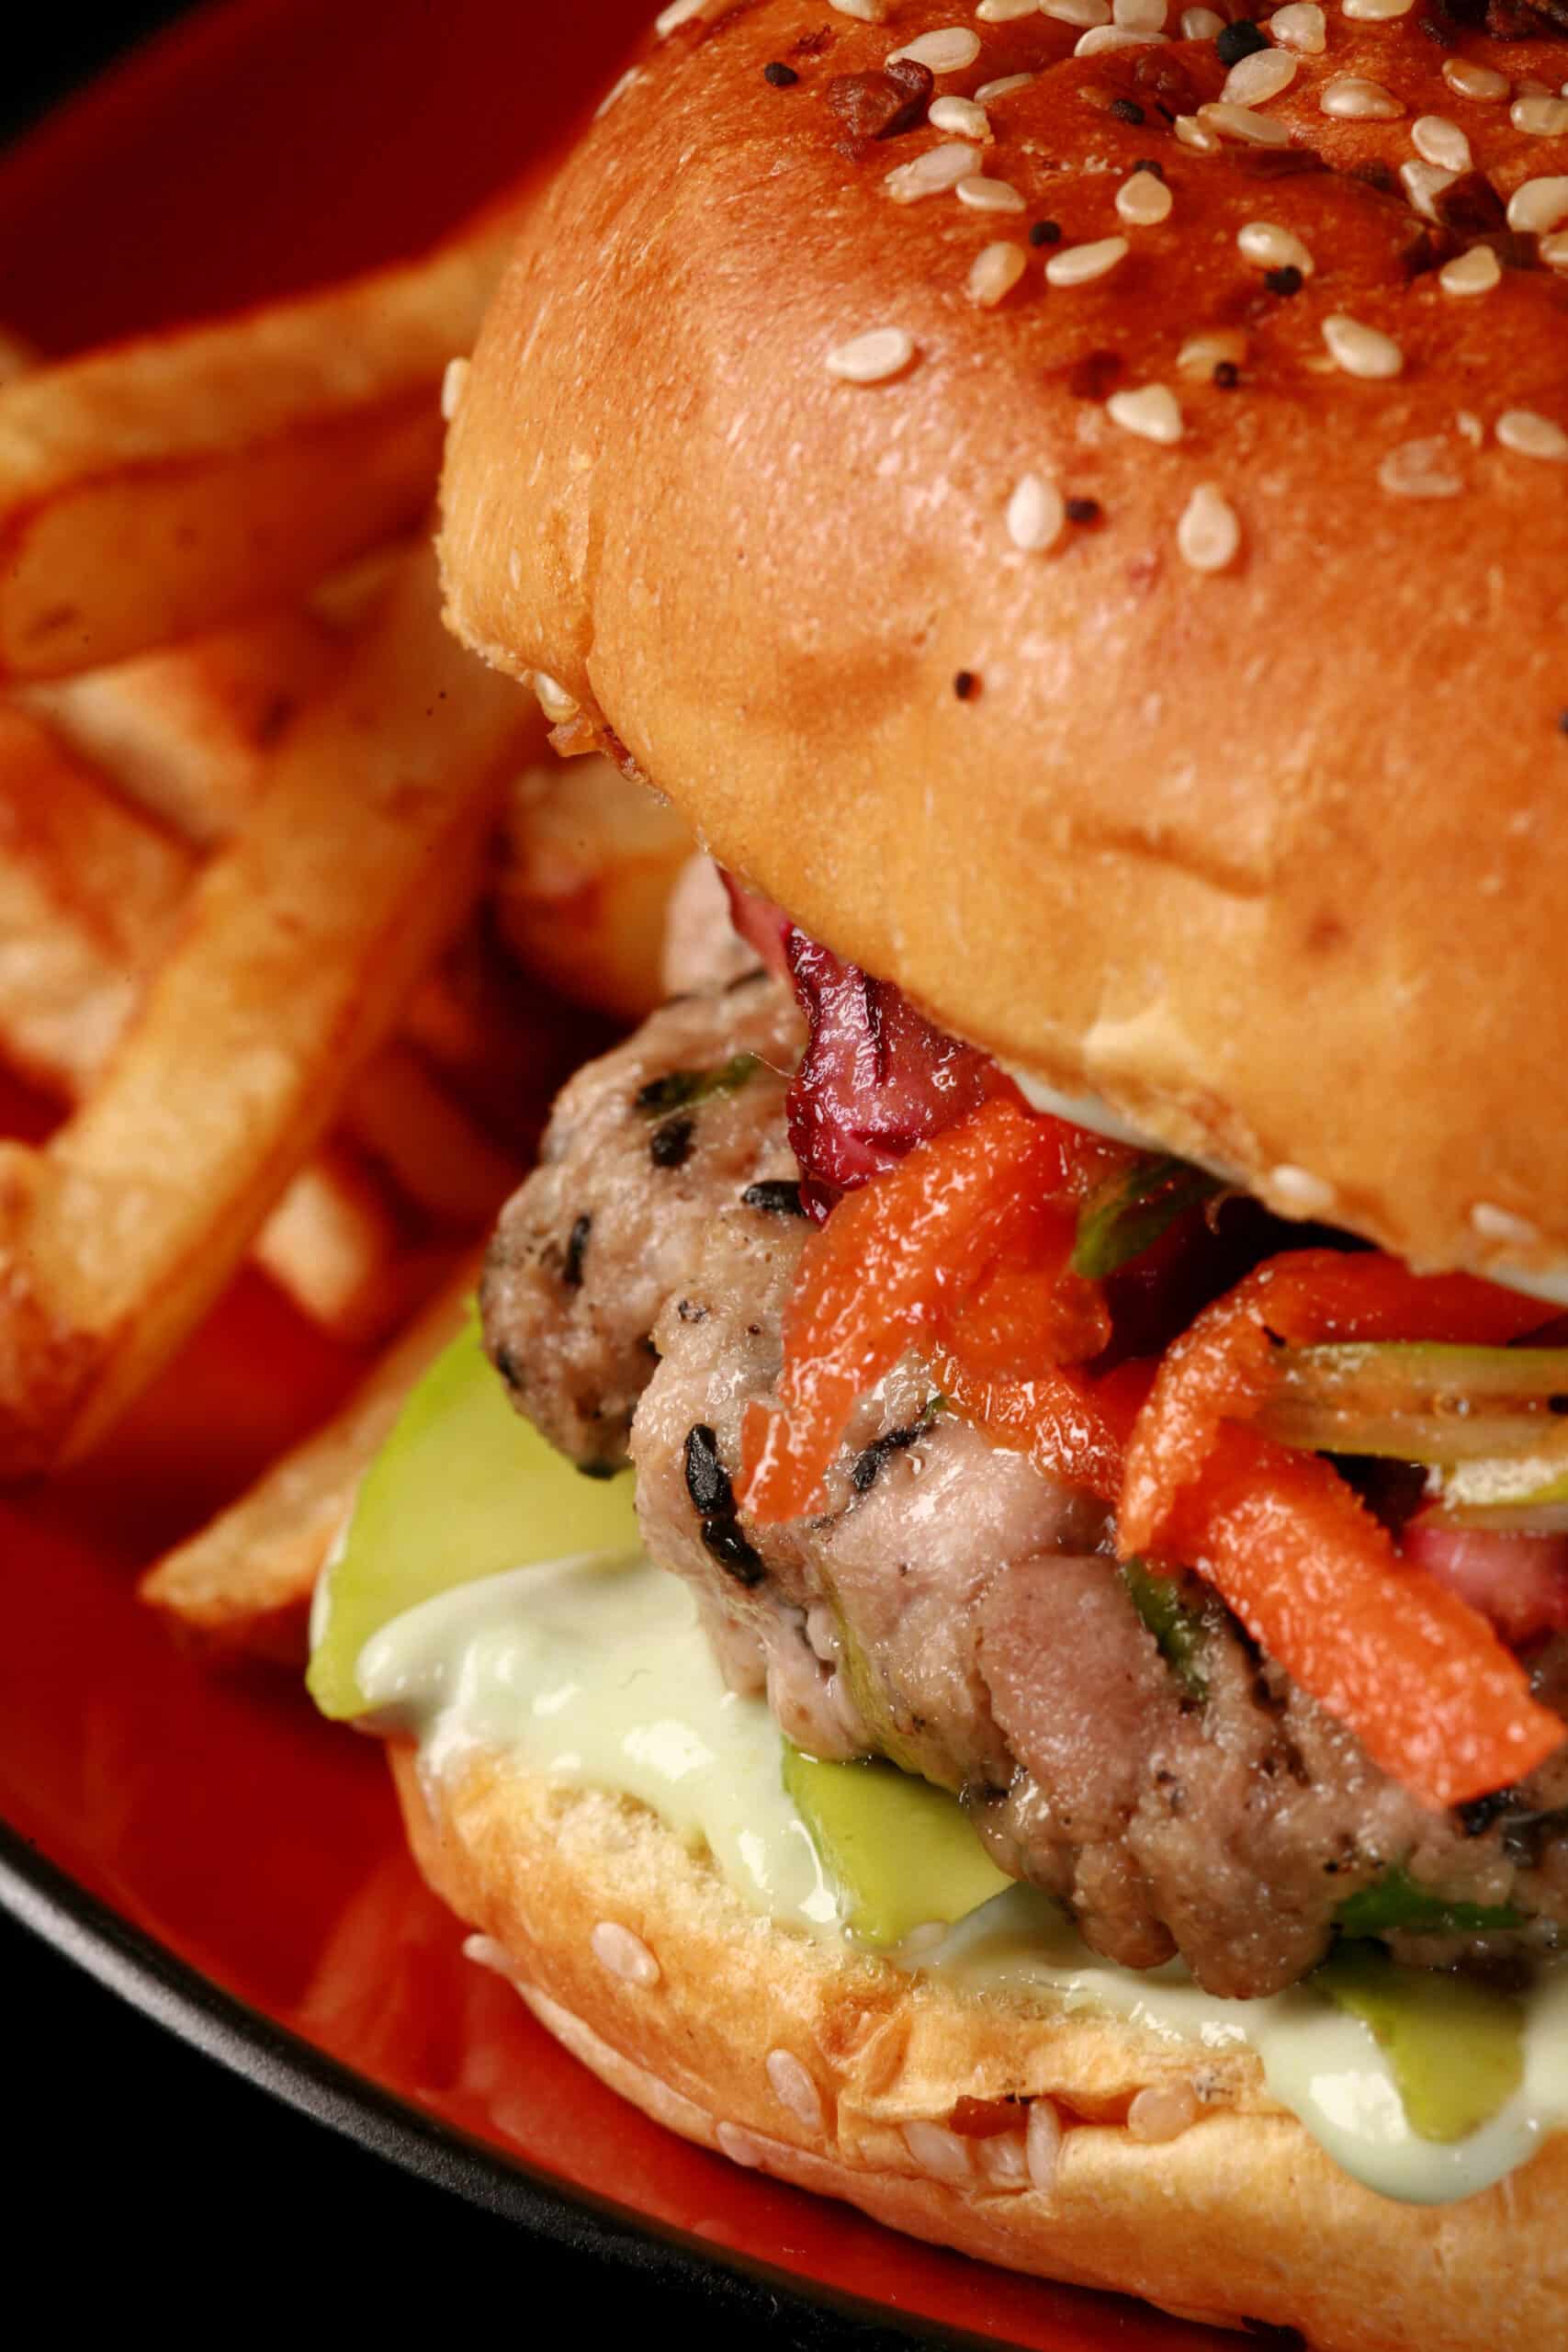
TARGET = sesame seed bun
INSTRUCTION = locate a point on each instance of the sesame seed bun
(1251, 817)
(842, 2074)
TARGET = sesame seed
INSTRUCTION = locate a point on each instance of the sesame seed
(1163, 2110)
(1006, 12)
(1144, 199)
(1196, 135)
(872, 358)
(1140, 16)
(1106, 37)
(963, 684)
(947, 51)
(1003, 88)
(994, 272)
(933, 174)
(1494, 1224)
(557, 705)
(1200, 24)
(1149, 409)
(1268, 246)
(1078, 12)
(1042, 2145)
(937, 2150)
(679, 12)
(1482, 83)
(739, 2145)
(990, 196)
(1035, 514)
(1077, 264)
(1125, 110)
(793, 2089)
(1227, 376)
(1350, 97)
(617, 91)
(1241, 123)
(1084, 511)
(961, 115)
(1540, 117)
(1208, 535)
(622, 1954)
(1360, 350)
(454, 384)
(1302, 27)
(1286, 281)
(1438, 140)
(1553, 250)
(1045, 232)
(1003, 2160)
(1420, 470)
(1476, 272)
(1424, 183)
(1538, 205)
(1529, 435)
(781, 77)
(866, 12)
(1233, 42)
(1377, 12)
(1259, 77)
(1214, 347)
(1298, 1192)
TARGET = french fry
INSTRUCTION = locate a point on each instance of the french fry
(185, 733)
(300, 944)
(589, 859)
(182, 481)
(399, 1114)
(17, 355)
(90, 898)
(243, 1585)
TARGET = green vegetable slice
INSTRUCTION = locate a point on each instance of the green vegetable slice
(679, 1089)
(1181, 1631)
(1127, 1217)
(902, 1852)
(1455, 2047)
(1396, 1901)
(1421, 1401)
(463, 1489)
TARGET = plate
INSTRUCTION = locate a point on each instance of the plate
(207, 1846)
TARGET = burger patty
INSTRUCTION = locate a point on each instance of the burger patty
(953, 1607)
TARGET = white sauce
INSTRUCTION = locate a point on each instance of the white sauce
(596, 1672)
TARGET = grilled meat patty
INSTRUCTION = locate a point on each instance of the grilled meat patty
(953, 1607)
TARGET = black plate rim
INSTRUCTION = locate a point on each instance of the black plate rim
(738, 2288)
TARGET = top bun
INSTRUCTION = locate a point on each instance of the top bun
(1268, 845)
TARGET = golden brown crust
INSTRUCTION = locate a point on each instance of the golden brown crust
(1272, 857)
(1239, 2217)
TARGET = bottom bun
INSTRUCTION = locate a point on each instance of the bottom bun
(841, 2072)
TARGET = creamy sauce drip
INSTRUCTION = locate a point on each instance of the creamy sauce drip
(597, 1673)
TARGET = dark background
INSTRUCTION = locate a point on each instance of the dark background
(143, 2184)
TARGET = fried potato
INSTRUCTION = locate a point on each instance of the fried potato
(243, 1585)
(17, 355)
(185, 733)
(182, 481)
(589, 859)
(300, 944)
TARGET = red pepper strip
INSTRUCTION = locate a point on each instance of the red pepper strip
(1070, 1427)
(1222, 1369)
(896, 1260)
(1418, 1675)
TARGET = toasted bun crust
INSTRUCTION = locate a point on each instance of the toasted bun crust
(1272, 857)
(1240, 2217)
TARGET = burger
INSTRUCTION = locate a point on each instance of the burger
(982, 1625)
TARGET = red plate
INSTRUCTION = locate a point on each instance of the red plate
(264, 144)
